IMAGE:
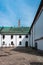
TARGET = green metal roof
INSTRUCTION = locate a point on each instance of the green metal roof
(13, 30)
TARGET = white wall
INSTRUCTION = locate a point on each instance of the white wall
(37, 30)
(32, 36)
(40, 44)
(31, 39)
(39, 27)
(15, 40)
(23, 39)
(6, 40)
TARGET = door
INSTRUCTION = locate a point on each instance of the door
(36, 45)
(26, 44)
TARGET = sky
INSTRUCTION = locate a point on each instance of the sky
(13, 10)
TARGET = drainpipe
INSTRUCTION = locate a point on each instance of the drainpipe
(32, 37)
(29, 39)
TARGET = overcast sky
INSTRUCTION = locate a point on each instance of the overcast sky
(13, 10)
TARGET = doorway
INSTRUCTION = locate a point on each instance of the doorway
(26, 44)
(36, 45)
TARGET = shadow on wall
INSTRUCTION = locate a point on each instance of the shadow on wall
(36, 63)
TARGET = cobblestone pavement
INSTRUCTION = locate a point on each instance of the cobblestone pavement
(20, 56)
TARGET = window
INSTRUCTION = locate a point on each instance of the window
(26, 36)
(20, 43)
(12, 43)
(20, 36)
(11, 36)
(3, 43)
(3, 36)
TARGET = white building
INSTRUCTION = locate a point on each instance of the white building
(11, 36)
(36, 30)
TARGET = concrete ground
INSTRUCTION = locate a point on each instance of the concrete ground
(20, 56)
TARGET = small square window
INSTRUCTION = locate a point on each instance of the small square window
(20, 43)
(26, 36)
(11, 36)
(3, 36)
(20, 36)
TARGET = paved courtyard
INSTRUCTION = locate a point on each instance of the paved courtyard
(20, 56)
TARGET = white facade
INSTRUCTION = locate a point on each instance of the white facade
(23, 40)
(39, 31)
(16, 40)
(36, 35)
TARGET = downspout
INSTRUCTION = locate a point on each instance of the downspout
(32, 37)
(29, 40)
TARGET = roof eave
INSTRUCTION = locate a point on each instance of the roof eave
(38, 11)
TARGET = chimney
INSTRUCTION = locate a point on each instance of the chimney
(19, 23)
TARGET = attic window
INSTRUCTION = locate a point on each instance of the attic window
(11, 36)
(26, 36)
(3, 36)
